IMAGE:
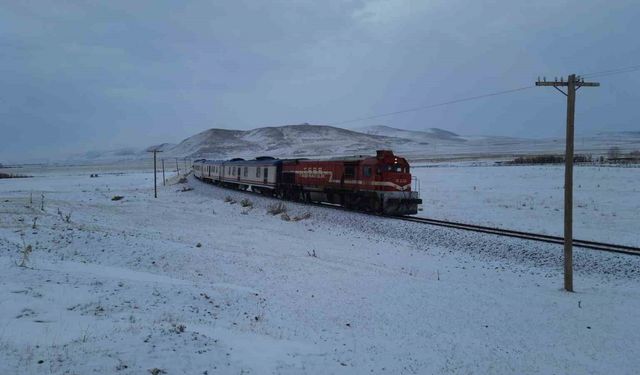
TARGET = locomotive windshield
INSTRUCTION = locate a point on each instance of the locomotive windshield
(393, 168)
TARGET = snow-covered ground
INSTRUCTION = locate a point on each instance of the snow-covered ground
(188, 283)
(531, 198)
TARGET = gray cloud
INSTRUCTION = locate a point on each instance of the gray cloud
(93, 75)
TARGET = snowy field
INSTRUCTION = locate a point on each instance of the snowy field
(531, 198)
(190, 284)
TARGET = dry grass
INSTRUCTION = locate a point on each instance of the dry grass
(304, 216)
(277, 208)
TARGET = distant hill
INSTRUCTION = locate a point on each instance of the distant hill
(283, 141)
(424, 136)
(290, 141)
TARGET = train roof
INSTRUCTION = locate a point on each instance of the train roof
(352, 158)
(238, 161)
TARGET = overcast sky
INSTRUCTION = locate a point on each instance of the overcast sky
(81, 75)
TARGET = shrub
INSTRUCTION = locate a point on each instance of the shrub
(285, 217)
(117, 197)
(305, 215)
(179, 328)
(230, 200)
(9, 175)
(246, 203)
(26, 251)
(549, 159)
(277, 208)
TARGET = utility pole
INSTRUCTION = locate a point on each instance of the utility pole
(573, 83)
(155, 185)
(164, 180)
(177, 168)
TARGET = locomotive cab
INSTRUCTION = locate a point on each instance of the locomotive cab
(393, 170)
(393, 182)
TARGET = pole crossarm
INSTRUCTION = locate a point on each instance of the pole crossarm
(578, 83)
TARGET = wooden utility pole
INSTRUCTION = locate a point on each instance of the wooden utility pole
(155, 185)
(573, 83)
(177, 168)
(164, 180)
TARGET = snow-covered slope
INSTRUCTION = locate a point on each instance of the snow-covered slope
(190, 284)
(323, 140)
(423, 136)
(284, 141)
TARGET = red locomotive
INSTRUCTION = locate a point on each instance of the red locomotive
(380, 183)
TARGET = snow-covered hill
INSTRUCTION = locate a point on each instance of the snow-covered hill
(423, 136)
(322, 141)
(284, 141)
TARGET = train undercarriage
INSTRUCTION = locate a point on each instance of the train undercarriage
(394, 203)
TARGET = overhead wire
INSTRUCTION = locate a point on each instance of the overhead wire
(602, 73)
(434, 105)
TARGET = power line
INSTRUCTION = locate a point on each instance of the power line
(603, 73)
(434, 105)
(614, 73)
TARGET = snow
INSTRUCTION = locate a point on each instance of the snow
(296, 141)
(531, 198)
(123, 287)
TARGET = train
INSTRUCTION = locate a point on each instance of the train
(380, 183)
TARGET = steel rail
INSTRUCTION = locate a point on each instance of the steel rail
(593, 245)
(624, 249)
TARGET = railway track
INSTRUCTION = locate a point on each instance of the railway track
(623, 249)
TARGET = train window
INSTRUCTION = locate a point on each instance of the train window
(266, 173)
(258, 172)
(366, 171)
(349, 171)
(246, 171)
